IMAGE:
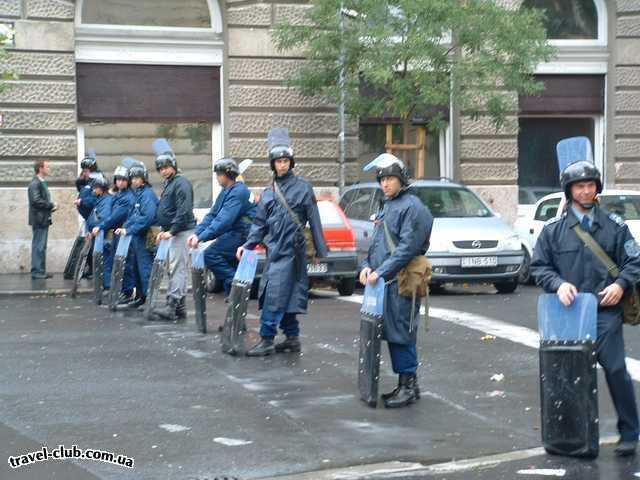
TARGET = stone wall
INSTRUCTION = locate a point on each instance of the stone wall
(257, 98)
(38, 121)
(625, 97)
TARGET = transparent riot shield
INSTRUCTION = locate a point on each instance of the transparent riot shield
(568, 379)
(74, 255)
(117, 272)
(233, 331)
(98, 267)
(199, 288)
(80, 265)
(158, 270)
(371, 315)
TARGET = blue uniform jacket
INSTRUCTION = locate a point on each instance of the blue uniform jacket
(284, 285)
(88, 200)
(143, 214)
(409, 223)
(101, 212)
(123, 202)
(232, 212)
(560, 256)
(175, 210)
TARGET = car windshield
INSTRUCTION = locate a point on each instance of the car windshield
(627, 206)
(452, 202)
(329, 215)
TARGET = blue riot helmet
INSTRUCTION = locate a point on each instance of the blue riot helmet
(279, 145)
(388, 165)
(136, 169)
(98, 179)
(575, 162)
(89, 161)
(227, 166)
(165, 157)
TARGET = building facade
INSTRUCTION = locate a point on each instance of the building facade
(113, 75)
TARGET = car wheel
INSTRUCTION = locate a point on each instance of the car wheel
(346, 286)
(525, 269)
(508, 286)
(436, 288)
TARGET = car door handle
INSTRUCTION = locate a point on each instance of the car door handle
(531, 231)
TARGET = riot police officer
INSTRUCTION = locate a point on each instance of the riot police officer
(408, 222)
(100, 213)
(562, 264)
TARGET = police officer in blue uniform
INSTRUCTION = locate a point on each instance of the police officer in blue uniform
(284, 287)
(100, 213)
(87, 199)
(409, 224)
(227, 223)
(138, 223)
(562, 264)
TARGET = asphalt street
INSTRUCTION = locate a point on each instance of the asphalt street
(167, 397)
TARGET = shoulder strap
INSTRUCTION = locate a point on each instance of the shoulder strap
(388, 237)
(597, 250)
(283, 202)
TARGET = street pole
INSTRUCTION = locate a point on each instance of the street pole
(341, 107)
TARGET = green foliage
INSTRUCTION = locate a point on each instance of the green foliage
(419, 53)
(6, 39)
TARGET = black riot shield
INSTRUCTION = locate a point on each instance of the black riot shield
(568, 377)
(98, 267)
(199, 288)
(370, 336)
(235, 324)
(117, 272)
(79, 269)
(158, 270)
(73, 257)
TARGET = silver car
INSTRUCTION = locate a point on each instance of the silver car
(469, 242)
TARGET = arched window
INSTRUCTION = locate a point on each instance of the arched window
(568, 19)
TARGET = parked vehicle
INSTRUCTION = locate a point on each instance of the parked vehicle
(469, 242)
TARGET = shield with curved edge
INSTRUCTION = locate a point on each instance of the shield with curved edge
(235, 325)
(117, 272)
(199, 287)
(74, 255)
(158, 270)
(370, 336)
(98, 267)
(568, 377)
(79, 269)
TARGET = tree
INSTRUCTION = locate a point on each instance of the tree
(417, 54)
(6, 39)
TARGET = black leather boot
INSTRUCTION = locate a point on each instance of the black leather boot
(132, 303)
(290, 344)
(416, 390)
(263, 348)
(181, 309)
(166, 313)
(125, 298)
(405, 394)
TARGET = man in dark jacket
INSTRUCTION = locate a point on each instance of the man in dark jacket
(175, 217)
(562, 264)
(284, 287)
(40, 209)
(408, 223)
(100, 213)
(86, 196)
(227, 223)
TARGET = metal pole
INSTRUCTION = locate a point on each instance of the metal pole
(341, 107)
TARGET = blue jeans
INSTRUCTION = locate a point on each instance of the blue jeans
(404, 358)
(142, 260)
(39, 250)
(269, 322)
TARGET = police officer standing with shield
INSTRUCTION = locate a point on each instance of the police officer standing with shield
(564, 265)
(284, 209)
(408, 226)
(100, 213)
(175, 217)
(227, 223)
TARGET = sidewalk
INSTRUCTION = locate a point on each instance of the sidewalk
(23, 284)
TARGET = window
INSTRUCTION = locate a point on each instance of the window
(547, 210)
(346, 200)
(149, 13)
(452, 203)
(568, 19)
(626, 206)
(360, 207)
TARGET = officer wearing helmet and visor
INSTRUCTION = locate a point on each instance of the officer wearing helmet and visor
(562, 264)
(227, 223)
(284, 209)
(408, 224)
(100, 213)
(86, 197)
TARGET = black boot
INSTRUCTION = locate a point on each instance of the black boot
(125, 298)
(263, 348)
(291, 344)
(626, 448)
(181, 309)
(405, 394)
(133, 303)
(166, 313)
(416, 390)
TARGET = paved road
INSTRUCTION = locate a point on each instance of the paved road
(167, 397)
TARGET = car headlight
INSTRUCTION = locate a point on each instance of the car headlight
(439, 245)
(511, 243)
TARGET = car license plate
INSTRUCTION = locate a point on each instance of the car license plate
(472, 262)
(317, 268)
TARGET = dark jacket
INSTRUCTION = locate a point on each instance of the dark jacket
(123, 202)
(175, 210)
(409, 223)
(40, 206)
(88, 200)
(232, 212)
(101, 212)
(284, 286)
(560, 256)
(143, 213)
